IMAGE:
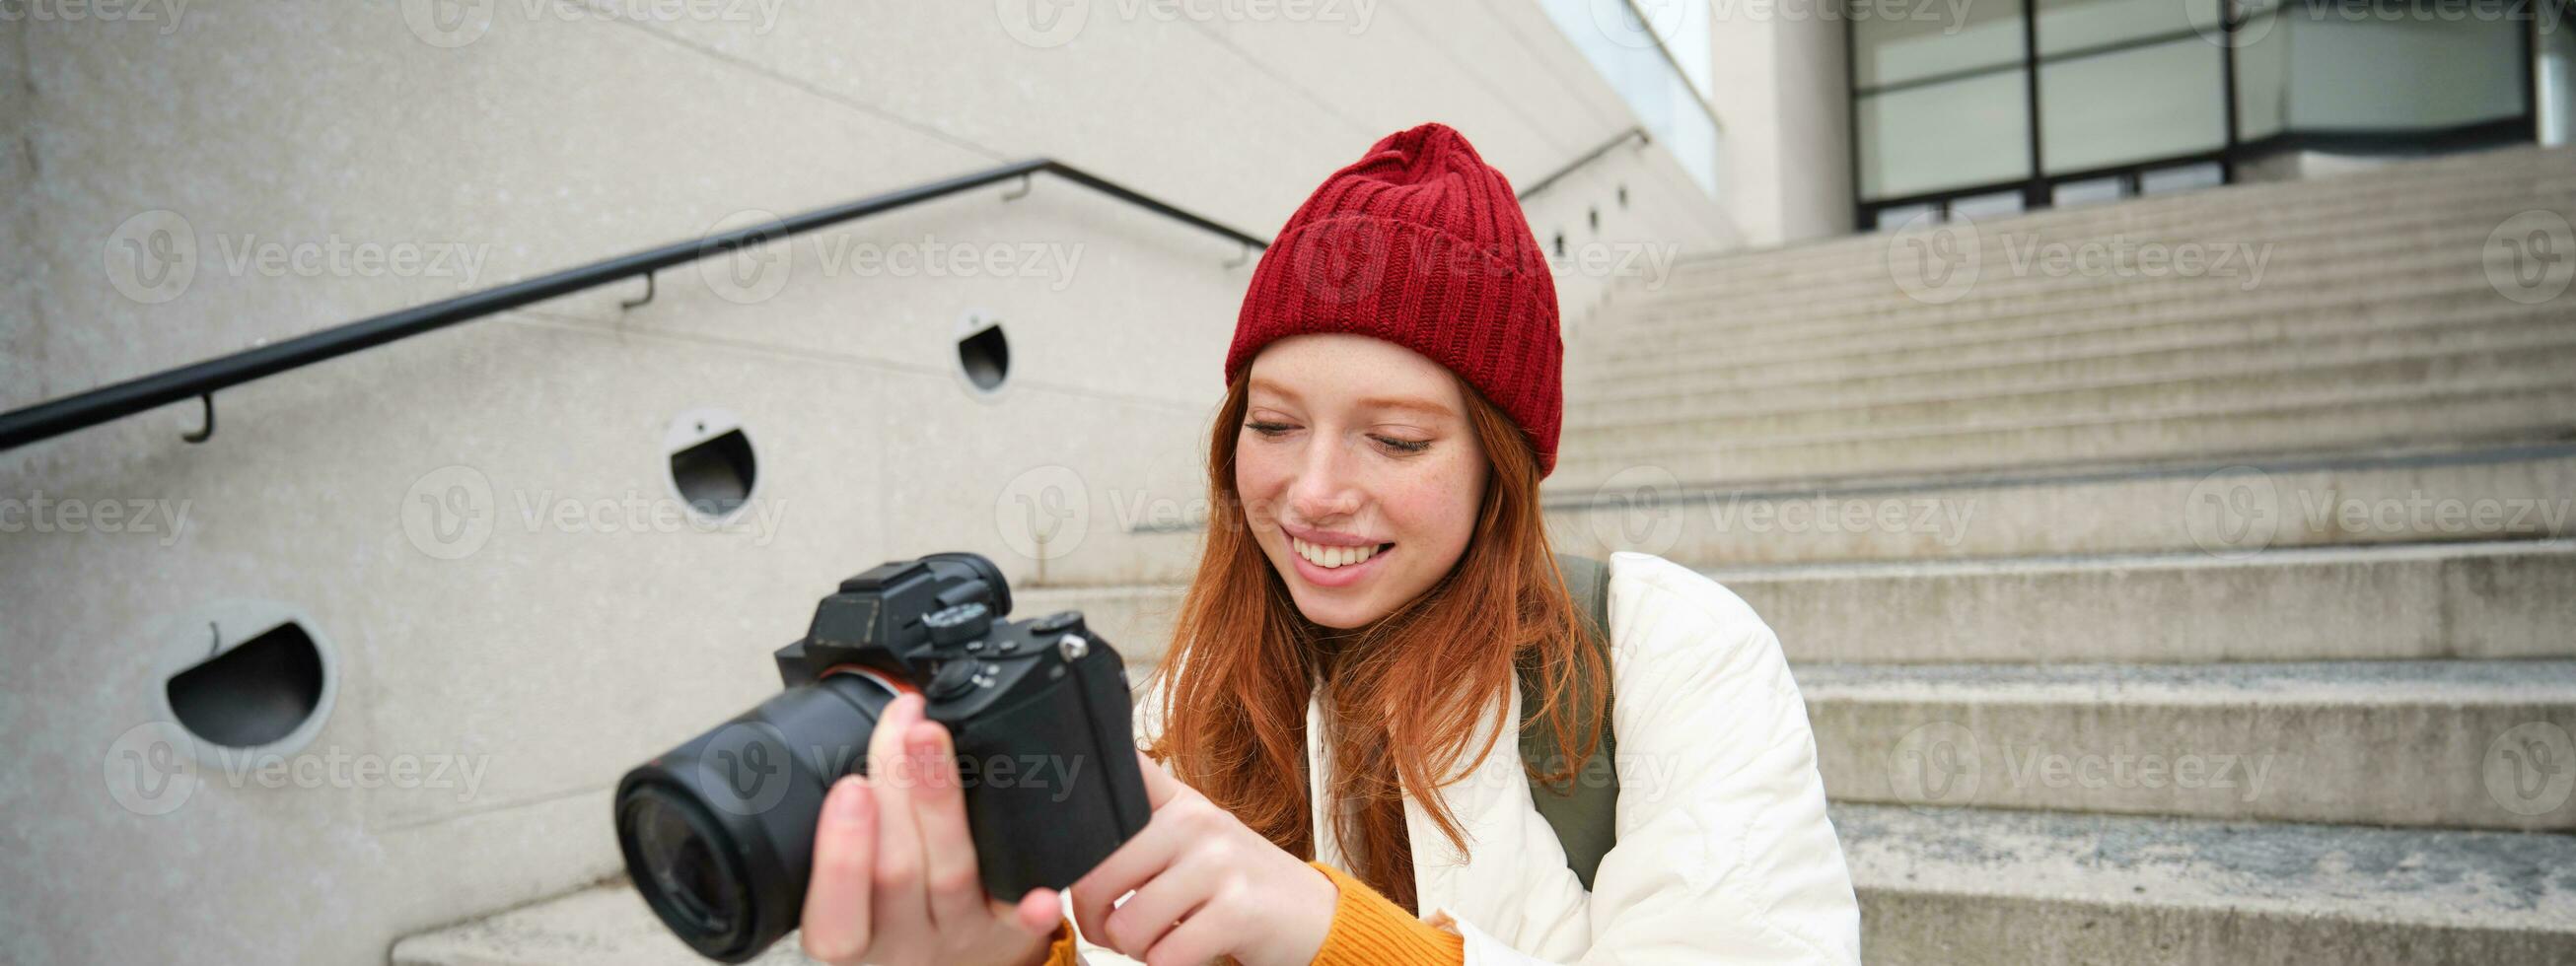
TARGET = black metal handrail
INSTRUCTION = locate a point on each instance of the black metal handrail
(202, 379)
(1542, 184)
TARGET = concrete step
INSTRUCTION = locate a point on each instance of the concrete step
(2229, 508)
(604, 925)
(2241, 212)
(2392, 743)
(1974, 887)
(2508, 599)
(2364, 297)
(2512, 409)
(1720, 318)
(2495, 600)
(2547, 353)
(2004, 262)
(2412, 187)
(1970, 887)
(2155, 339)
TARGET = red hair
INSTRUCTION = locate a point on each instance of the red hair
(1407, 692)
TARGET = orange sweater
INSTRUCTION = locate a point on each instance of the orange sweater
(1368, 929)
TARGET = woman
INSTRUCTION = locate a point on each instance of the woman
(1338, 712)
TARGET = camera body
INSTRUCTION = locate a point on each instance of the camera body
(718, 833)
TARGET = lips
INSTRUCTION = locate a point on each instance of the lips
(1335, 565)
(1331, 557)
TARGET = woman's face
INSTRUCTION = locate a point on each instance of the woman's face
(1356, 449)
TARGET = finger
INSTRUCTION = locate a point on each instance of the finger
(1160, 786)
(902, 912)
(836, 899)
(955, 888)
(1131, 866)
(1157, 907)
(1197, 939)
(1036, 913)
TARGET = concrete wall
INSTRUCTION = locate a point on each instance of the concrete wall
(477, 523)
(1782, 94)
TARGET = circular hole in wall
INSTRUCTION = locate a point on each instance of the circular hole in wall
(713, 468)
(983, 352)
(253, 694)
(246, 675)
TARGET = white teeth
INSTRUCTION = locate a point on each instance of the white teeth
(1330, 558)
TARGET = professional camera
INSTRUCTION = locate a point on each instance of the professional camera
(719, 832)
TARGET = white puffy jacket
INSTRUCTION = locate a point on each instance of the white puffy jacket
(1724, 853)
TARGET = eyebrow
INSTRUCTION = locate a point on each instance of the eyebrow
(1378, 402)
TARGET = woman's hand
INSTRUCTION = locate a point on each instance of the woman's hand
(895, 880)
(1205, 886)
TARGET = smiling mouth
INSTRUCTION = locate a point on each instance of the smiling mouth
(1335, 558)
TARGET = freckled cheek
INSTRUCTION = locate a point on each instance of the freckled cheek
(1431, 508)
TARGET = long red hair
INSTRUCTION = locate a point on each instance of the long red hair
(1407, 692)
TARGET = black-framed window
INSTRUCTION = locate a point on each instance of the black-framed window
(2016, 104)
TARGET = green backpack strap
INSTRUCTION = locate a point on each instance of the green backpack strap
(1582, 815)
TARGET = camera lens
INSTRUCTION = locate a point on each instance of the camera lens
(719, 832)
(685, 872)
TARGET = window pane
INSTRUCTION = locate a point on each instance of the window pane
(2262, 76)
(1947, 135)
(2351, 70)
(2184, 177)
(1894, 41)
(1670, 105)
(1987, 205)
(2132, 105)
(2091, 191)
(2066, 25)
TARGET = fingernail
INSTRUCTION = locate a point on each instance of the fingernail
(849, 798)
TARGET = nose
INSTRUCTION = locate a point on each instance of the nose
(1324, 489)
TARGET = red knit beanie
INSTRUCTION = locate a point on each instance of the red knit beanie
(1420, 243)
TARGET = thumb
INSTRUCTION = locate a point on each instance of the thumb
(1160, 786)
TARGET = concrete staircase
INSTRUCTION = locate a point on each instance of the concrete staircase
(2146, 617)
(2143, 616)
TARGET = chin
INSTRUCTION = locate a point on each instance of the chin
(1336, 615)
